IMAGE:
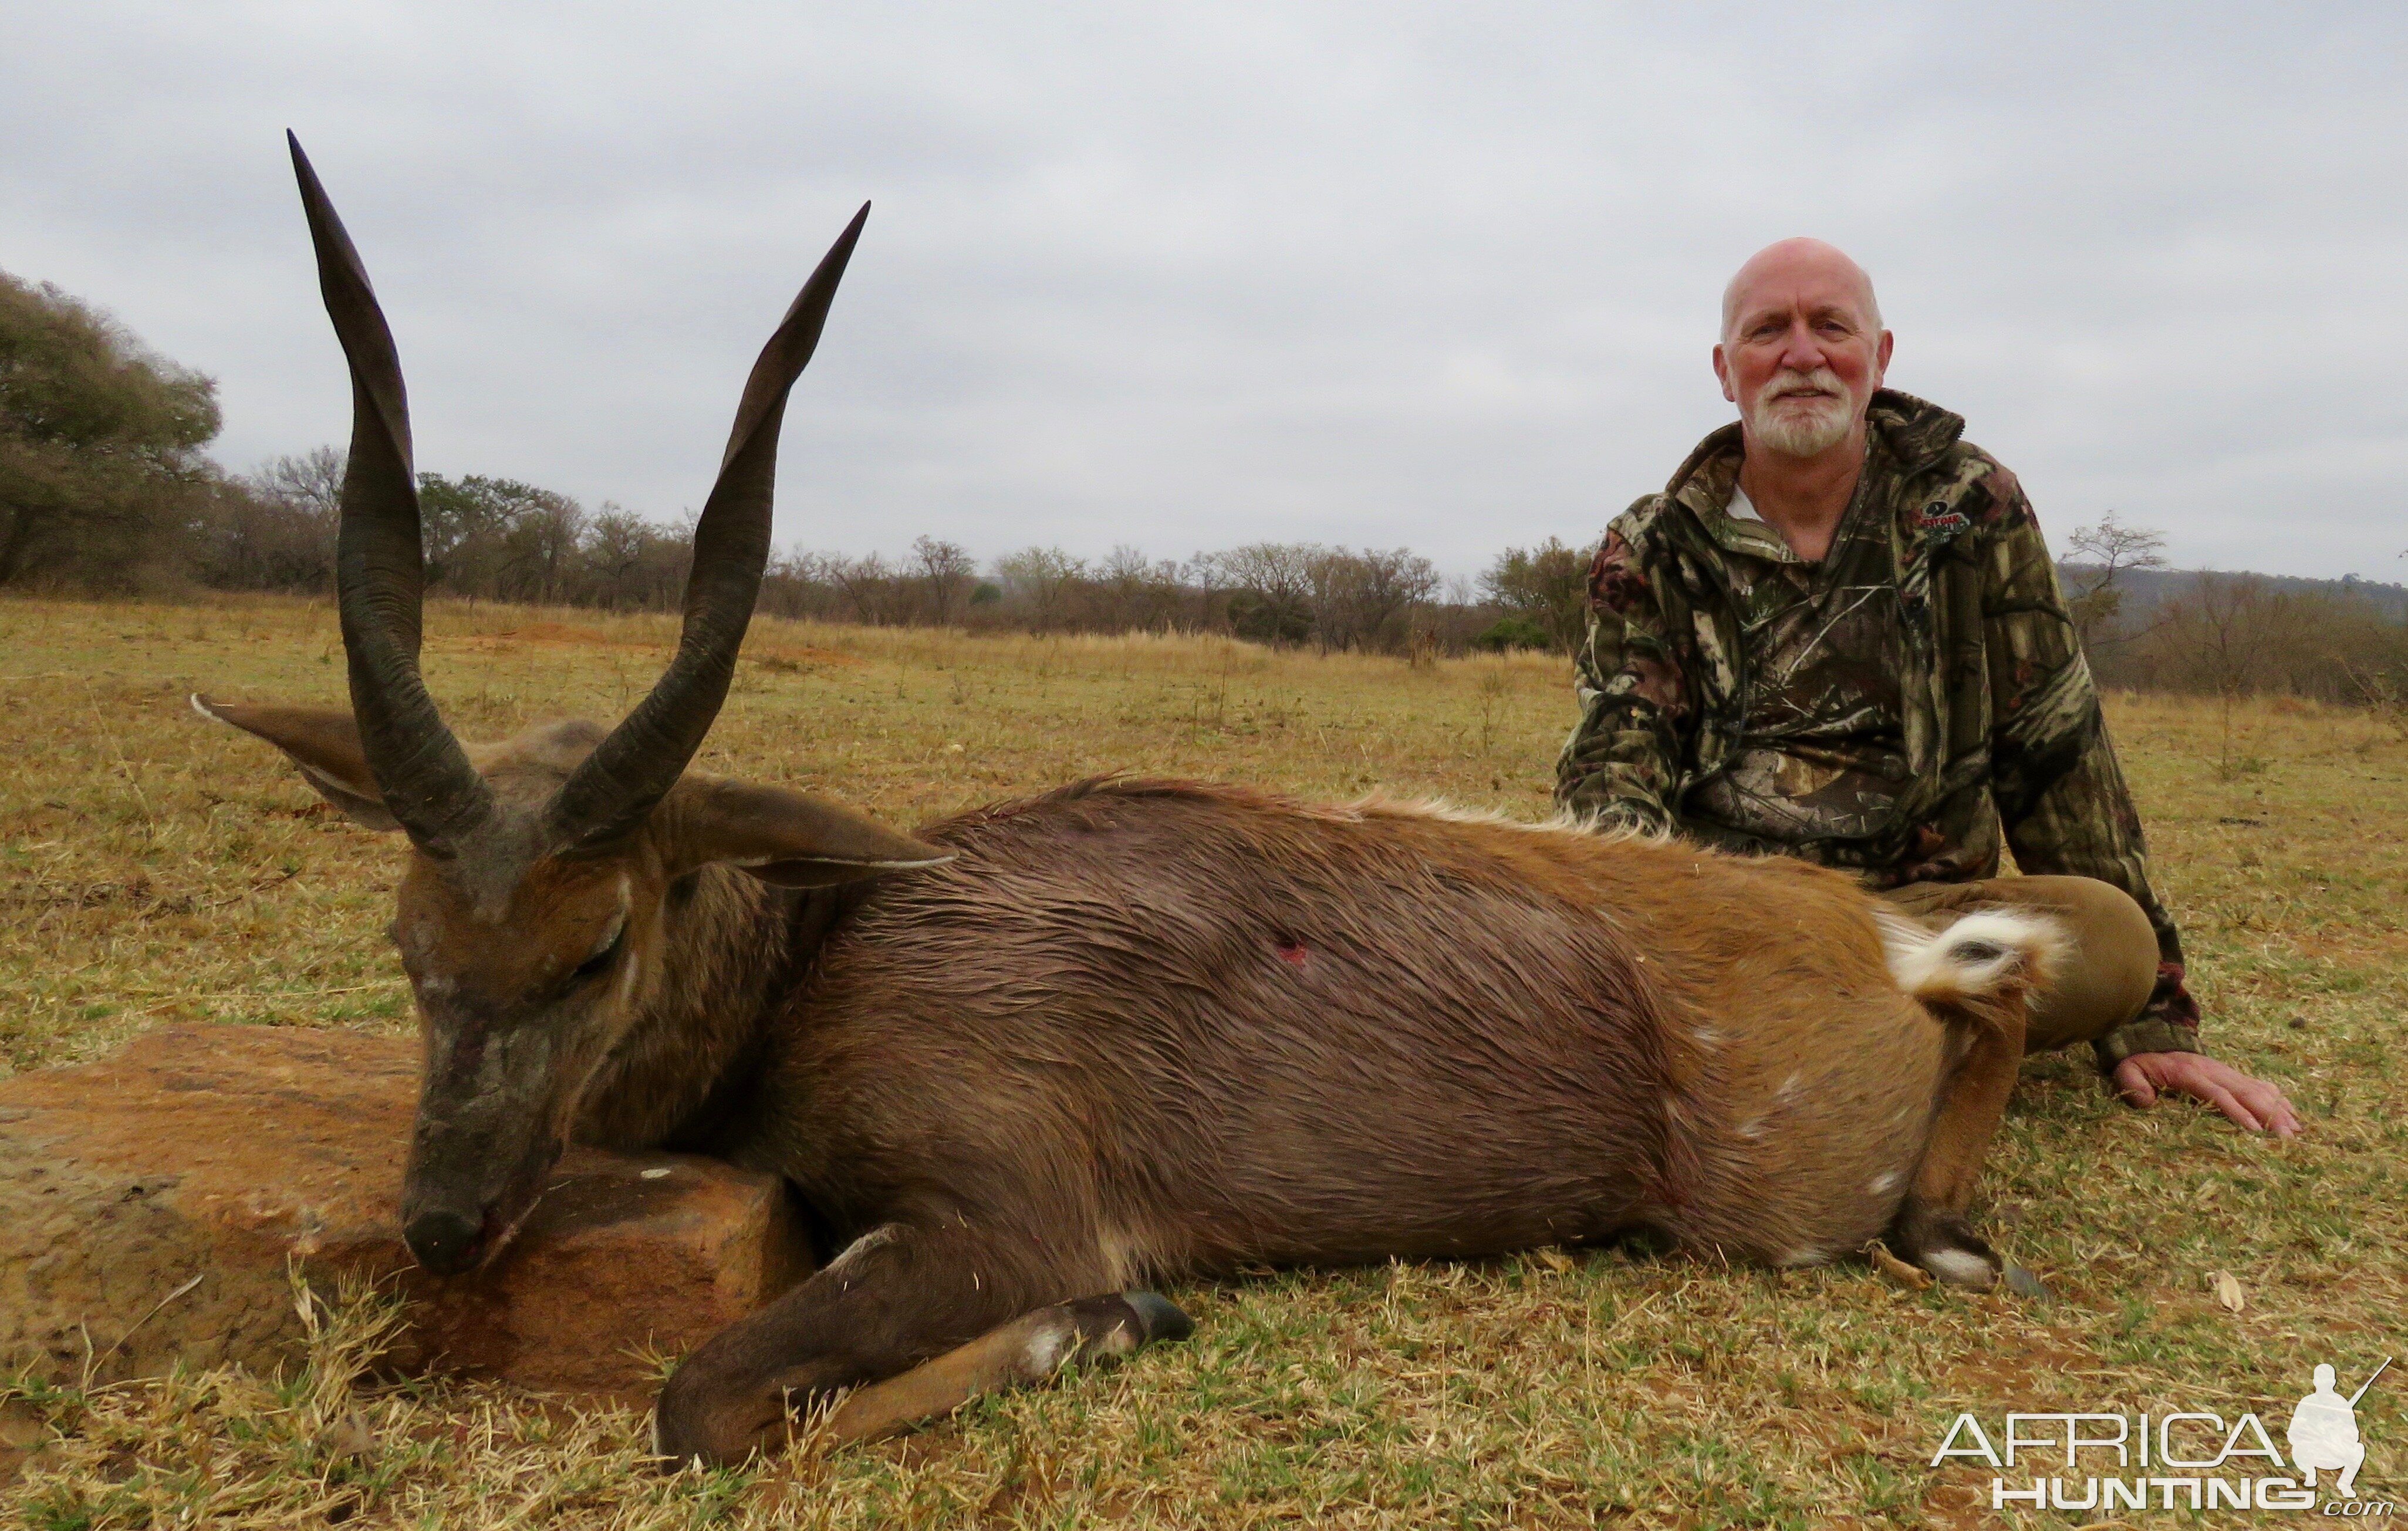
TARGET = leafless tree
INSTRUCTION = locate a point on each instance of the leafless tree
(1358, 599)
(311, 480)
(274, 529)
(2230, 627)
(539, 549)
(1139, 593)
(1272, 588)
(2101, 556)
(946, 572)
(1203, 577)
(1045, 582)
(875, 590)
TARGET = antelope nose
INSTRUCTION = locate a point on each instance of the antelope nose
(445, 1241)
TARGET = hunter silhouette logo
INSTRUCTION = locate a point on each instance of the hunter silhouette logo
(2324, 1433)
(2177, 1459)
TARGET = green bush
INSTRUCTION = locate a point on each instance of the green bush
(1513, 632)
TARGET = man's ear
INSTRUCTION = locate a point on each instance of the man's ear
(324, 743)
(784, 837)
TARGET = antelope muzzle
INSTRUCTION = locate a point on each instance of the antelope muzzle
(489, 1131)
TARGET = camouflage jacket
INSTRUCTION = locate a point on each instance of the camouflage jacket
(1998, 721)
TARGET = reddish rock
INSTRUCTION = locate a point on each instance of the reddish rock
(222, 1152)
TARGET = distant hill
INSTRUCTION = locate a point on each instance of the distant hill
(2149, 588)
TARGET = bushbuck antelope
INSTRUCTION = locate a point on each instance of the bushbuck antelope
(1021, 1061)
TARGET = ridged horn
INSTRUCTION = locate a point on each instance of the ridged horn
(614, 787)
(379, 573)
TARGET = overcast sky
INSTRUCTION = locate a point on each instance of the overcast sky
(1189, 276)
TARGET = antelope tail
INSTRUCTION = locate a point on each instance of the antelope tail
(1988, 958)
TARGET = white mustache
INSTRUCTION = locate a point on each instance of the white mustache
(1822, 383)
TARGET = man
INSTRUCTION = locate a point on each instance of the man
(2324, 1435)
(1837, 634)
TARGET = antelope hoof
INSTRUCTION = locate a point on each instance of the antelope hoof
(1944, 1244)
(718, 1421)
(1158, 1317)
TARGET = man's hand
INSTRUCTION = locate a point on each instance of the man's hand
(2254, 1103)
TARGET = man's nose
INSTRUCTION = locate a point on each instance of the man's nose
(1801, 349)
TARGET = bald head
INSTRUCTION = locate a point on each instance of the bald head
(1803, 350)
(1781, 275)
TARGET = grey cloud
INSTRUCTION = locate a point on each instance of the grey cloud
(1184, 275)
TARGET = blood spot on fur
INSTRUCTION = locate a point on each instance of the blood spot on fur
(1293, 951)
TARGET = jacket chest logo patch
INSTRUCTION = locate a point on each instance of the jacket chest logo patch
(1939, 523)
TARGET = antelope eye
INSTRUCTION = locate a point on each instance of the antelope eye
(602, 954)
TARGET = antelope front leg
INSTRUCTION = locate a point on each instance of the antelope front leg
(899, 1295)
(1024, 1352)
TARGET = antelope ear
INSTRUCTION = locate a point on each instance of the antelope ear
(784, 837)
(324, 743)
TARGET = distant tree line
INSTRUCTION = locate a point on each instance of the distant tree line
(105, 487)
(2146, 627)
(500, 539)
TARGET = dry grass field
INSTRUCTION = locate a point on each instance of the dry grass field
(153, 868)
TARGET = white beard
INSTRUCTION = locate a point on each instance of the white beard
(1802, 427)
